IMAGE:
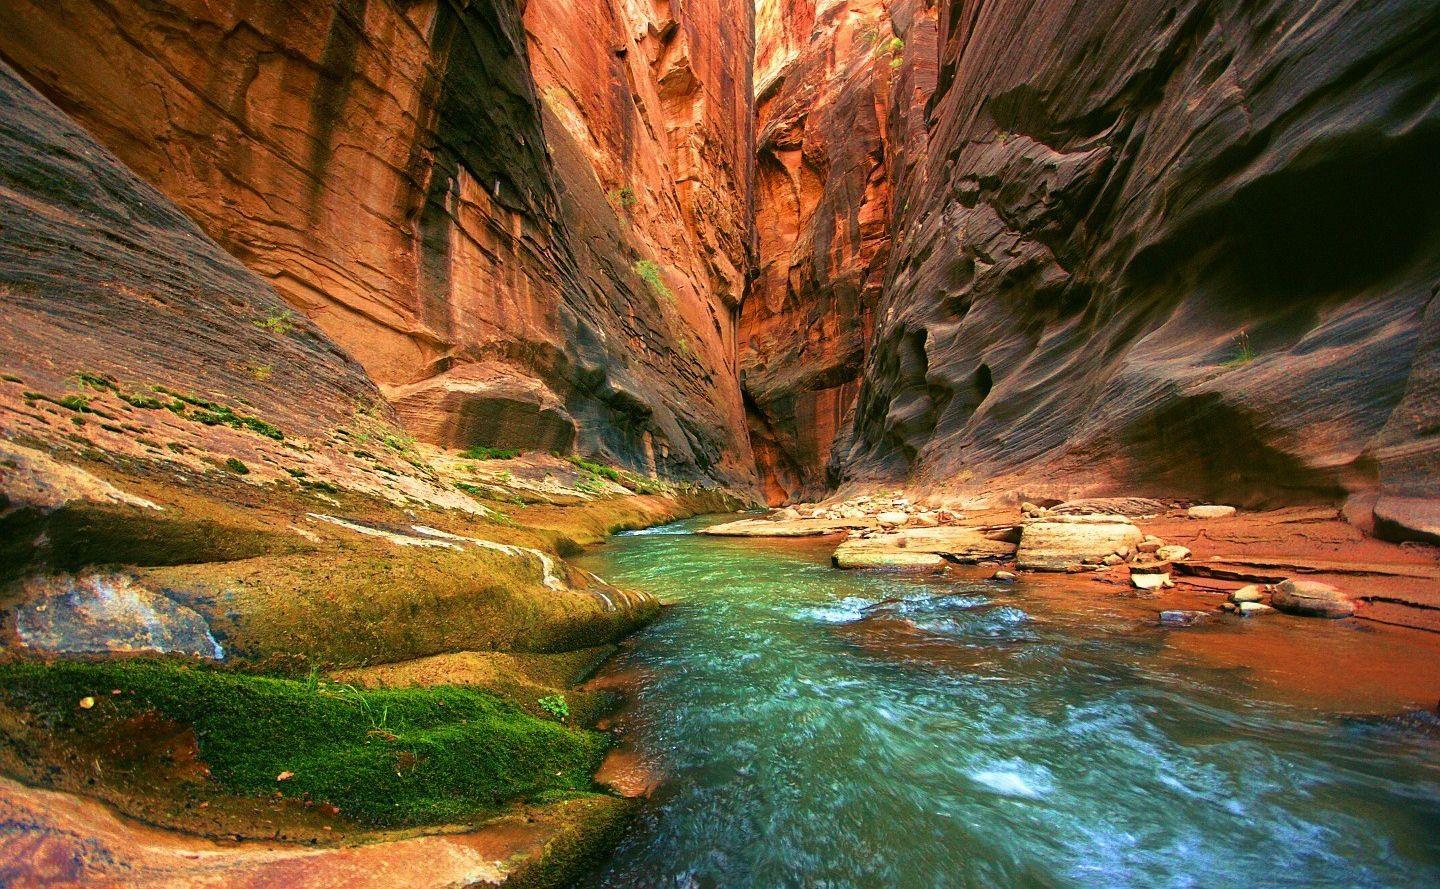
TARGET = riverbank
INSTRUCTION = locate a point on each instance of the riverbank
(319, 654)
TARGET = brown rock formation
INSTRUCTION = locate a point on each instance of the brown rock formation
(822, 204)
(1149, 248)
(388, 168)
(99, 273)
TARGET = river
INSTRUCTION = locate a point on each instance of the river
(814, 727)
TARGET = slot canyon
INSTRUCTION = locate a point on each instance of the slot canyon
(719, 442)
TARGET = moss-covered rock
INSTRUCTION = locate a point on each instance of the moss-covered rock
(386, 757)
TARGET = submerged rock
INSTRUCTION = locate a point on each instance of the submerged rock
(1180, 618)
(1309, 598)
(97, 613)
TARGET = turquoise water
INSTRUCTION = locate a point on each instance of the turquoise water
(823, 728)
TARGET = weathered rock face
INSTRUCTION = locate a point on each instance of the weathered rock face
(1152, 247)
(822, 204)
(392, 170)
(99, 273)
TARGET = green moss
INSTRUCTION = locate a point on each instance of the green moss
(237, 466)
(142, 400)
(595, 468)
(74, 402)
(212, 414)
(588, 832)
(388, 757)
(480, 452)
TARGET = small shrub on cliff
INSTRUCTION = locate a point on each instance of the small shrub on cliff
(142, 400)
(624, 198)
(594, 468)
(237, 466)
(277, 321)
(650, 273)
(1243, 353)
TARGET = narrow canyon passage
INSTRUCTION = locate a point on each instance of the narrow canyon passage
(1085, 352)
(814, 727)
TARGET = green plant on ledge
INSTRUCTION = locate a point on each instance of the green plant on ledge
(481, 452)
(1243, 353)
(649, 272)
(555, 705)
(624, 198)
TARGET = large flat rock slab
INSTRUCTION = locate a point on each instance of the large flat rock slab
(1067, 541)
(920, 548)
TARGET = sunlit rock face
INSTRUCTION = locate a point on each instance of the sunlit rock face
(449, 218)
(822, 80)
(1181, 248)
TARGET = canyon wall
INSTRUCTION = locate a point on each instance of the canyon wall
(546, 266)
(1180, 248)
(822, 206)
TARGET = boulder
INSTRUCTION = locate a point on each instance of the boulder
(892, 519)
(1150, 581)
(108, 613)
(1058, 545)
(1309, 598)
(1250, 593)
(1150, 544)
(1172, 553)
(850, 557)
(1253, 609)
(1210, 511)
(925, 520)
(1004, 576)
(788, 514)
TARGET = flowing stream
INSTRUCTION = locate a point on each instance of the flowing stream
(821, 728)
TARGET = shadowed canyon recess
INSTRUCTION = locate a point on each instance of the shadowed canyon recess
(1086, 355)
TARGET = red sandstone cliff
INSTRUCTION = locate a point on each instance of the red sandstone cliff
(1144, 247)
(479, 244)
(822, 206)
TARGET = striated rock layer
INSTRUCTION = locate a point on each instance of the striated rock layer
(1183, 248)
(567, 246)
(822, 204)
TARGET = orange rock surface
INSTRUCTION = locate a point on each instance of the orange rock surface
(395, 171)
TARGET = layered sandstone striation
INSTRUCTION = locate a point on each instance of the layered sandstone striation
(1149, 248)
(484, 245)
(822, 211)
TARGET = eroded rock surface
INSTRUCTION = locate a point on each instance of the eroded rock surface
(1135, 248)
(555, 191)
